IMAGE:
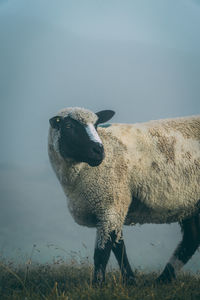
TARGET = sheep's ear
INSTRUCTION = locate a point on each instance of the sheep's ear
(104, 116)
(55, 122)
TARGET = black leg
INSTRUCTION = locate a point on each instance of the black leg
(185, 250)
(101, 257)
(119, 251)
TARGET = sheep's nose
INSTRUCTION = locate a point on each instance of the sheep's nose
(97, 148)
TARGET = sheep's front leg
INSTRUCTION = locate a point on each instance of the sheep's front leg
(185, 250)
(119, 251)
(101, 257)
(108, 238)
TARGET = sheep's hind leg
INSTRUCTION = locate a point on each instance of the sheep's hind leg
(119, 251)
(186, 248)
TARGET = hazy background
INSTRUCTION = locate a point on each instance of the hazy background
(139, 58)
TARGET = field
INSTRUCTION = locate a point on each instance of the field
(70, 281)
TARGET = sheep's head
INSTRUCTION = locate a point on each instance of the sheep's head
(77, 136)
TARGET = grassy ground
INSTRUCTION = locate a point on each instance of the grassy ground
(73, 281)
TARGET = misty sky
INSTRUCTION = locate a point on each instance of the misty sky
(139, 58)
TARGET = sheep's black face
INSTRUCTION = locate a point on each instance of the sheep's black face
(79, 142)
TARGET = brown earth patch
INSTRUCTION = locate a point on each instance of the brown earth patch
(155, 166)
(197, 163)
(189, 128)
(165, 144)
(187, 155)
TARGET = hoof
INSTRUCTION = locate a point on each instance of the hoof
(129, 281)
(98, 282)
(167, 276)
(163, 280)
(98, 279)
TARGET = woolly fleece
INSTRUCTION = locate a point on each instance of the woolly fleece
(150, 174)
(84, 116)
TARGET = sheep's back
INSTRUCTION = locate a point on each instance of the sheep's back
(164, 158)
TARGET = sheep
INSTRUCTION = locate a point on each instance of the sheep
(123, 174)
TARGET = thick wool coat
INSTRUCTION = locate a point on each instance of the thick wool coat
(150, 174)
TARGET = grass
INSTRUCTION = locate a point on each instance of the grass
(71, 281)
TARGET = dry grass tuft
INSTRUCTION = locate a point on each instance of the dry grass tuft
(71, 281)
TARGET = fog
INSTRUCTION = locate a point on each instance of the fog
(139, 58)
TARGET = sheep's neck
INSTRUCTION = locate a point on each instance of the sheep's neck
(69, 172)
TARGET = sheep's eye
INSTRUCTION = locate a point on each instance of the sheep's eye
(68, 125)
(57, 120)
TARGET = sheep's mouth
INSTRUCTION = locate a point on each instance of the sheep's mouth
(95, 163)
(95, 155)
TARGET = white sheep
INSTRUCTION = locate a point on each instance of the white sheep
(128, 173)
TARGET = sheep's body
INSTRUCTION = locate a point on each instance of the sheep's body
(152, 167)
(151, 174)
